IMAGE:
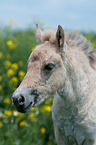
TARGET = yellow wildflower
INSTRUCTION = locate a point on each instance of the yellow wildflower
(22, 123)
(1, 124)
(31, 115)
(21, 75)
(10, 72)
(1, 88)
(45, 109)
(43, 130)
(14, 80)
(1, 55)
(14, 66)
(8, 113)
(9, 43)
(20, 63)
(4, 116)
(49, 101)
(1, 78)
(7, 101)
(32, 109)
(33, 119)
(7, 64)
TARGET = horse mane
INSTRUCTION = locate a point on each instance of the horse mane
(72, 38)
(80, 41)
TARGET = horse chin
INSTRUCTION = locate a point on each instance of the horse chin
(25, 109)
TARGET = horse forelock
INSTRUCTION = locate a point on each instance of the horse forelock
(48, 35)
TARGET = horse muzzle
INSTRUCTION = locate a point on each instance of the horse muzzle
(24, 99)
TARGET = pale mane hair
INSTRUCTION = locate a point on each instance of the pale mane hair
(72, 38)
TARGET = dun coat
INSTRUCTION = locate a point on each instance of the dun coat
(64, 64)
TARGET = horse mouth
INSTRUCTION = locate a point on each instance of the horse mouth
(26, 109)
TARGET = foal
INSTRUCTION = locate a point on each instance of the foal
(63, 65)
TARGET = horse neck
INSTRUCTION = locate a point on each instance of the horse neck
(79, 85)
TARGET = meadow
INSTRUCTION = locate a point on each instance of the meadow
(35, 127)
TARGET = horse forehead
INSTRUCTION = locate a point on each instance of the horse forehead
(43, 51)
(44, 48)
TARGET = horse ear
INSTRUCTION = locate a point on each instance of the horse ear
(39, 34)
(60, 37)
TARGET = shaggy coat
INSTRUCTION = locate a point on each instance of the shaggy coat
(64, 64)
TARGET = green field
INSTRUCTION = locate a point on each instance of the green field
(36, 127)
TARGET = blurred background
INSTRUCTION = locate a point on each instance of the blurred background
(17, 40)
(71, 14)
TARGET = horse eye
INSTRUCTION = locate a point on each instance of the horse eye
(49, 66)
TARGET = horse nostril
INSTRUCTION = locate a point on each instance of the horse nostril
(21, 100)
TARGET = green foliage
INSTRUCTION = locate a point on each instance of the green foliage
(32, 128)
(92, 38)
(35, 127)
